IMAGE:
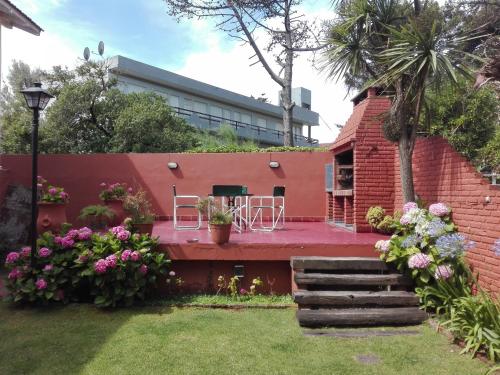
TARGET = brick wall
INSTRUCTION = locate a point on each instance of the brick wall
(443, 175)
(373, 163)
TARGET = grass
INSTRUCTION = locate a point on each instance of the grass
(225, 300)
(80, 339)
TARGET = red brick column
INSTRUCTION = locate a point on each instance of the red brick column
(338, 208)
(349, 210)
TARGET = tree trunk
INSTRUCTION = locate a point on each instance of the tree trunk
(286, 94)
(406, 169)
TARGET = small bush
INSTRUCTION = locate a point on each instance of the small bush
(375, 215)
(97, 216)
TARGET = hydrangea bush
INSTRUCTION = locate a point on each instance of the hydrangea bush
(113, 268)
(50, 194)
(115, 191)
(426, 244)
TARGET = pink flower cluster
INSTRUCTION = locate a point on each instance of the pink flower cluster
(143, 269)
(132, 255)
(111, 261)
(383, 245)
(439, 209)
(25, 252)
(101, 266)
(12, 257)
(419, 261)
(48, 267)
(443, 272)
(41, 284)
(65, 242)
(84, 234)
(121, 233)
(44, 252)
(15, 273)
(409, 206)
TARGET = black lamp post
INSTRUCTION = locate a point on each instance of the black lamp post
(36, 99)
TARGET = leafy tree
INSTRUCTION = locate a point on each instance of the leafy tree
(403, 46)
(466, 117)
(146, 124)
(287, 31)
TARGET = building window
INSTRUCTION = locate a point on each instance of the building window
(226, 114)
(173, 101)
(246, 119)
(237, 116)
(216, 111)
(261, 122)
(188, 104)
(200, 107)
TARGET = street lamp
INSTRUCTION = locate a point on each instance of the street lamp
(36, 99)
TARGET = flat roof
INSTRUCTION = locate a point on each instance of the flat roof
(11, 16)
(135, 69)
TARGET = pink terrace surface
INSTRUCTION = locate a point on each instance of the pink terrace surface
(293, 233)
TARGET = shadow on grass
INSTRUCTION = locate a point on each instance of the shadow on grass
(58, 339)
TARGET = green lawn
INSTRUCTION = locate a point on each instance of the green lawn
(80, 339)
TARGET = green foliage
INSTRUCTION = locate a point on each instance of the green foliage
(146, 124)
(97, 216)
(218, 217)
(49, 193)
(233, 289)
(467, 118)
(488, 157)
(386, 225)
(375, 215)
(253, 148)
(113, 192)
(139, 207)
(114, 268)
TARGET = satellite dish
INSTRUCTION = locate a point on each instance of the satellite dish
(100, 48)
(86, 53)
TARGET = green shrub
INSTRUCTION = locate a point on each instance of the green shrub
(386, 225)
(97, 216)
(375, 215)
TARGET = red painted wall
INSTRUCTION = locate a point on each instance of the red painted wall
(443, 175)
(301, 172)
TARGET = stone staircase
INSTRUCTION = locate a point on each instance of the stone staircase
(351, 291)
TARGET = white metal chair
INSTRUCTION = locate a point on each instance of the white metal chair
(178, 205)
(274, 203)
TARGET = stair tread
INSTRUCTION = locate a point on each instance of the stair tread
(355, 298)
(351, 279)
(337, 263)
(360, 316)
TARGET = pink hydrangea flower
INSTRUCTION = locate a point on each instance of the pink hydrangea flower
(419, 261)
(243, 291)
(143, 269)
(171, 274)
(44, 252)
(73, 233)
(67, 242)
(405, 220)
(118, 229)
(52, 191)
(382, 245)
(84, 234)
(409, 206)
(443, 272)
(135, 256)
(130, 190)
(123, 235)
(439, 209)
(48, 267)
(100, 266)
(126, 255)
(64, 195)
(12, 257)
(58, 240)
(25, 252)
(111, 261)
(14, 274)
(41, 284)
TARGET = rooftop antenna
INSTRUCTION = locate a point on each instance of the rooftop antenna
(87, 52)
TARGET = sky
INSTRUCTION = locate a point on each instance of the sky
(142, 30)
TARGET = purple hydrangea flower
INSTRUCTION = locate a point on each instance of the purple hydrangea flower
(84, 234)
(123, 235)
(135, 256)
(111, 261)
(436, 227)
(44, 252)
(411, 241)
(12, 257)
(409, 206)
(453, 245)
(382, 245)
(496, 247)
(100, 266)
(118, 229)
(41, 284)
(443, 272)
(15, 273)
(25, 252)
(419, 261)
(126, 255)
(73, 233)
(439, 209)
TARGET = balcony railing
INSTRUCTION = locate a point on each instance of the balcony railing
(244, 130)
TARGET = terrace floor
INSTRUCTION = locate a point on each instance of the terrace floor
(297, 238)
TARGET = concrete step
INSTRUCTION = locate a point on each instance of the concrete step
(355, 298)
(361, 317)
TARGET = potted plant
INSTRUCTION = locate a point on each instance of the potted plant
(220, 222)
(52, 202)
(113, 196)
(97, 216)
(138, 207)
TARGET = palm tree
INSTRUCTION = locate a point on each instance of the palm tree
(403, 47)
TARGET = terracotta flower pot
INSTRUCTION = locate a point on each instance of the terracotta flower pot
(220, 233)
(50, 217)
(117, 207)
(144, 228)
